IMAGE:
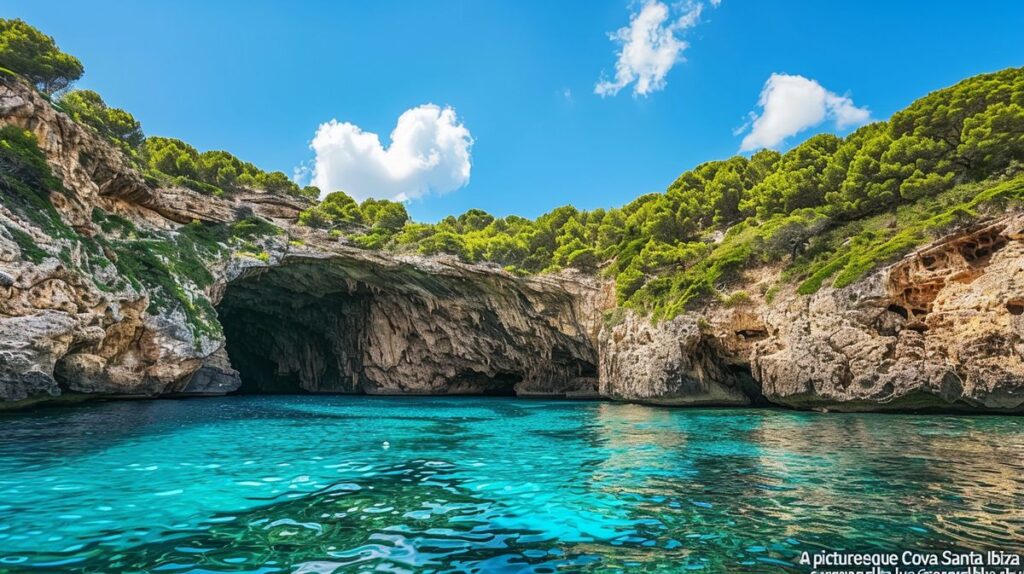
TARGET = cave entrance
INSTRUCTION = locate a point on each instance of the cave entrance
(748, 385)
(285, 335)
(503, 384)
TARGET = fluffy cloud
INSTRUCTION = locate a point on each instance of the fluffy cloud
(650, 47)
(429, 153)
(792, 104)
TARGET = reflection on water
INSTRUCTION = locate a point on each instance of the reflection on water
(304, 484)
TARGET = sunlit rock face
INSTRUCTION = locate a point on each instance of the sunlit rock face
(309, 314)
(674, 362)
(299, 311)
(941, 328)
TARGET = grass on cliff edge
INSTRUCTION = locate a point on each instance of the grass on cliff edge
(859, 248)
(26, 181)
(161, 264)
(814, 249)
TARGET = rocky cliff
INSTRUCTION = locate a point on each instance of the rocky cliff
(112, 285)
(943, 328)
(124, 288)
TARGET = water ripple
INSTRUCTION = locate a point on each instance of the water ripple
(302, 484)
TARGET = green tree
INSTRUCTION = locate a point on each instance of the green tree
(444, 242)
(310, 191)
(850, 176)
(277, 182)
(171, 156)
(389, 216)
(797, 181)
(506, 250)
(87, 107)
(336, 209)
(994, 139)
(221, 168)
(34, 55)
(475, 220)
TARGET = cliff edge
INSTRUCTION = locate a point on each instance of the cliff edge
(115, 285)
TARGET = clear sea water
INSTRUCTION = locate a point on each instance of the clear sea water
(305, 484)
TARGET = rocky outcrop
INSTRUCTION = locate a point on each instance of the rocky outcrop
(137, 290)
(938, 329)
(674, 362)
(280, 311)
(81, 159)
(216, 376)
(943, 328)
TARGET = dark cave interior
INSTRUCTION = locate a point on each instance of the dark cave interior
(285, 340)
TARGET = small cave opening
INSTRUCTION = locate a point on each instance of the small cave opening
(899, 310)
(284, 337)
(502, 384)
(748, 385)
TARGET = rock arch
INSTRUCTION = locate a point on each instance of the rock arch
(356, 324)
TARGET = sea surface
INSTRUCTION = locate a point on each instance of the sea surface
(409, 484)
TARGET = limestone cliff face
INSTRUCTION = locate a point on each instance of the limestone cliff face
(55, 322)
(942, 328)
(350, 321)
(144, 291)
(293, 310)
(677, 362)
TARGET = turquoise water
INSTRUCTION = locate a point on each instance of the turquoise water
(305, 484)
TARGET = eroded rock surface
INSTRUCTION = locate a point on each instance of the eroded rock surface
(937, 329)
(675, 362)
(301, 311)
(296, 310)
(941, 329)
(352, 322)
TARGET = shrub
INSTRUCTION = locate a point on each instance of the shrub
(29, 250)
(253, 227)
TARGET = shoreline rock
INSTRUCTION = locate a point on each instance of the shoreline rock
(942, 328)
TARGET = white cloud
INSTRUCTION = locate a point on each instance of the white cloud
(650, 47)
(429, 153)
(792, 104)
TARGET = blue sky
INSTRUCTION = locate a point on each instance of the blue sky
(259, 78)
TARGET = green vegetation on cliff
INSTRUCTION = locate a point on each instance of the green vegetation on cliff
(830, 208)
(26, 181)
(87, 107)
(161, 262)
(164, 263)
(170, 160)
(26, 51)
(825, 212)
(35, 56)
